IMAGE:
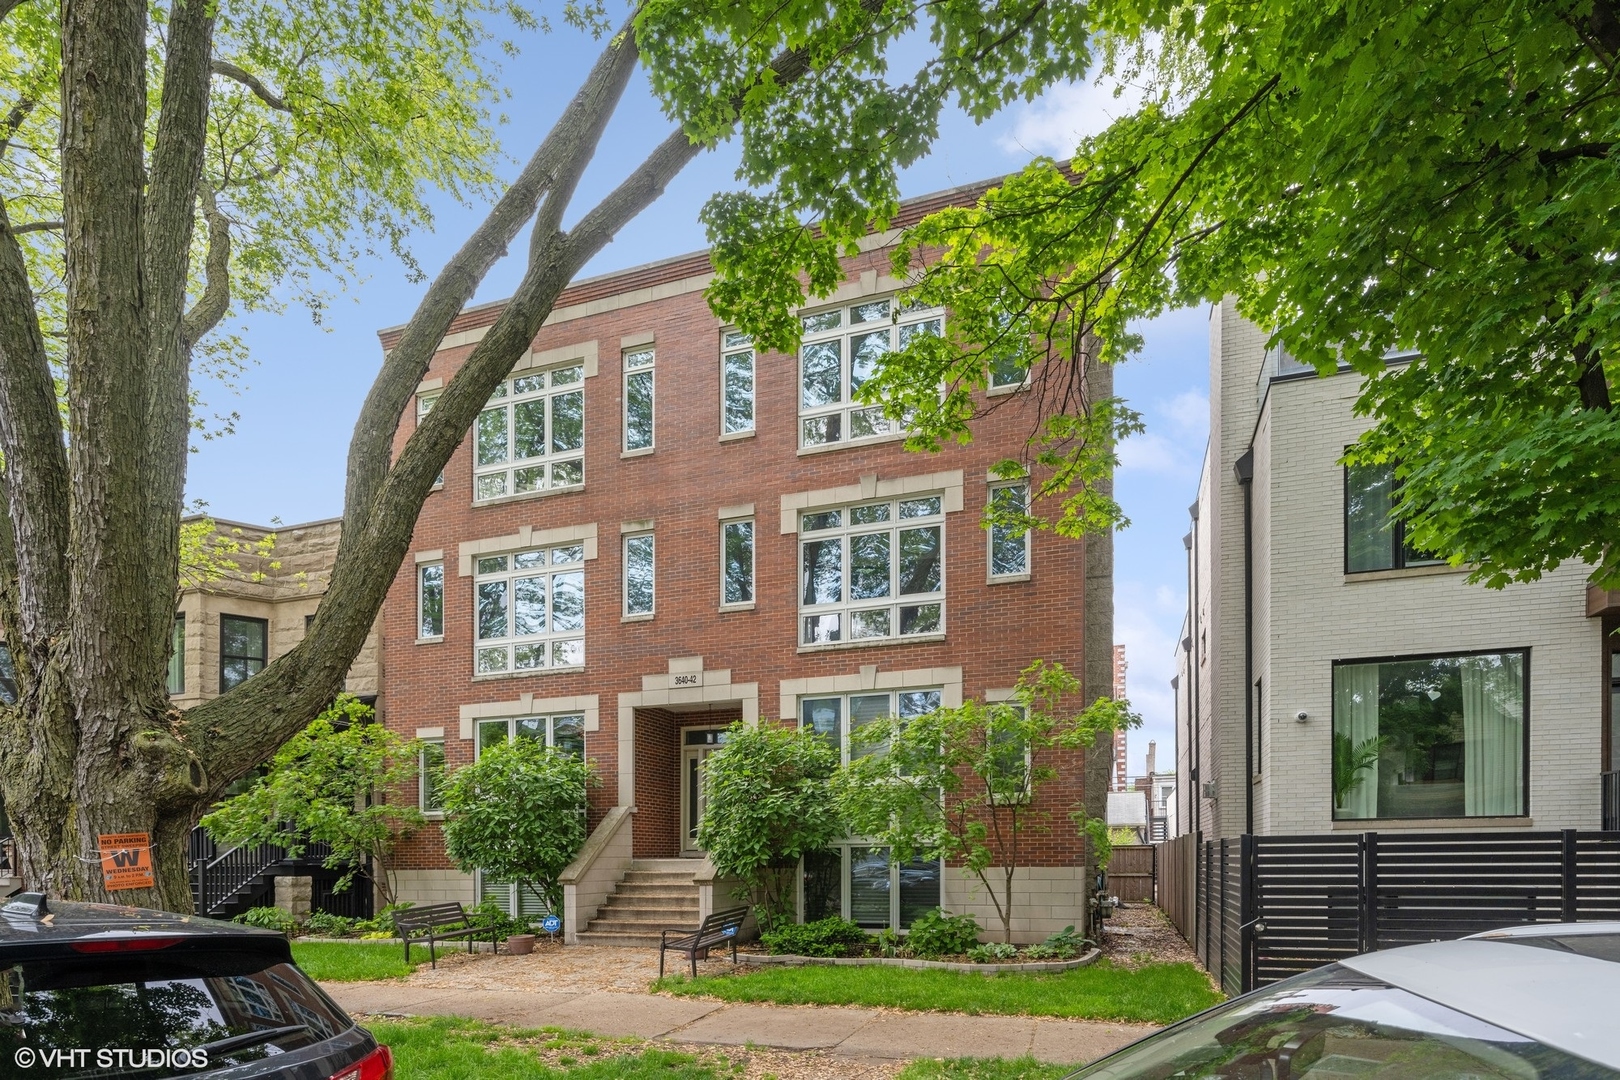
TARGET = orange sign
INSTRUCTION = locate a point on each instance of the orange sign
(126, 860)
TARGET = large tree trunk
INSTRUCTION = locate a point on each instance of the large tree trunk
(88, 550)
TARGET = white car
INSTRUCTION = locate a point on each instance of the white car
(1523, 1003)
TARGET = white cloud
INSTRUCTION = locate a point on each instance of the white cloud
(1189, 412)
(1055, 122)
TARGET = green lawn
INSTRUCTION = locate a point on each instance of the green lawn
(358, 961)
(449, 1048)
(1155, 993)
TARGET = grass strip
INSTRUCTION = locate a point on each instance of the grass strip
(1153, 993)
(344, 961)
(452, 1048)
(1024, 1068)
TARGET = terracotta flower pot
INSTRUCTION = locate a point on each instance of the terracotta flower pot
(520, 945)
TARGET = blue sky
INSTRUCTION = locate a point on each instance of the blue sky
(286, 458)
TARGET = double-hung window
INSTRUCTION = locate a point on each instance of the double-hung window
(638, 399)
(424, 405)
(531, 435)
(1009, 546)
(638, 575)
(841, 350)
(737, 562)
(244, 648)
(736, 383)
(430, 600)
(177, 655)
(530, 610)
(872, 570)
(430, 777)
(1374, 539)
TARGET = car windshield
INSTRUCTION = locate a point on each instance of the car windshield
(1336, 1023)
(77, 1012)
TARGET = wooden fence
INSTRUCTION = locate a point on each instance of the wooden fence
(1131, 872)
(1262, 908)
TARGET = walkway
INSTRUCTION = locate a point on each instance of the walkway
(865, 1034)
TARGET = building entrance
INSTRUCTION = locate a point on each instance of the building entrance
(696, 746)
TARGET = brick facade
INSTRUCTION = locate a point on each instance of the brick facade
(697, 662)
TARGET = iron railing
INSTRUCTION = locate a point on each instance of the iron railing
(217, 877)
(1611, 801)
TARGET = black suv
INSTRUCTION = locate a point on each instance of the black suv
(96, 990)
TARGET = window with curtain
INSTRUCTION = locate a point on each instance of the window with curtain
(1431, 737)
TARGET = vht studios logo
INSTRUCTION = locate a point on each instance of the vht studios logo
(121, 1058)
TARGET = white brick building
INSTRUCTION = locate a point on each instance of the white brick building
(1464, 707)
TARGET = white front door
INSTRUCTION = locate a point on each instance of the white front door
(696, 746)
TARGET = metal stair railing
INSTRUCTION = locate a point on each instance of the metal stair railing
(217, 880)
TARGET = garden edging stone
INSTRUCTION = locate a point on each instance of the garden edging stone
(1044, 967)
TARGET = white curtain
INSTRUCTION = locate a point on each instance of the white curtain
(1493, 734)
(1355, 716)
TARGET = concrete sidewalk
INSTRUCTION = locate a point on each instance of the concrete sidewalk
(867, 1034)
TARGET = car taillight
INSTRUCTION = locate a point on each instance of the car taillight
(377, 1065)
(139, 944)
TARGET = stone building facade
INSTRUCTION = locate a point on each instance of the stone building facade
(1460, 707)
(655, 530)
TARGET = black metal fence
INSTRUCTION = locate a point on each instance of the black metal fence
(1267, 907)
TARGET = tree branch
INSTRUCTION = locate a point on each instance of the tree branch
(216, 298)
(36, 226)
(260, 91)
(14, 119)
(6, 7)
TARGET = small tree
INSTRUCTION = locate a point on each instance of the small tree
(518, 813)
(768, 802)
(963, 783)
(329, 784)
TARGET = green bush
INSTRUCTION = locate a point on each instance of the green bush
(490, 916)
(936, 933)
(270, 918)
(326, 924)
(1063, 945)
(831, 936)
(382, 922)
(993, 952)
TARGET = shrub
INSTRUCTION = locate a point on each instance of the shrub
(936, 933)
(326, 924)
(490, 916)
(270, 918)
(383, 922)
(994, 951)
(831, 936)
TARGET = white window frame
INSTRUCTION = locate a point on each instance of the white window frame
(736, 346)
(639, 361)
(424, 405)
(545, 722)
(559, 470)
(875, 314)
(421, 590)
(844, 848)
(422, 777)
(845, 715)
(626, 611)
(753, 556)
(812, 530)
(991, 532)
(554, 562)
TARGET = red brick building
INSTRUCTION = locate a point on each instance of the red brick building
(654, 531)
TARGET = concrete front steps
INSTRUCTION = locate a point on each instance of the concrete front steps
(653, 895)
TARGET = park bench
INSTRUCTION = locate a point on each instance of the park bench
(720, 929)
(431, 923)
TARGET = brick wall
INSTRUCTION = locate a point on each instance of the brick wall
(993, 630)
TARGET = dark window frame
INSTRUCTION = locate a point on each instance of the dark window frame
(1397, 530)
(1447, 654)
(177, 648)
(263, 660)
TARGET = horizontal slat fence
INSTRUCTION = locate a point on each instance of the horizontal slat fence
(1267, 907)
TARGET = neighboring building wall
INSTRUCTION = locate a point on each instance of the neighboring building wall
(1308, 612)
(1120, 693)
(283, 588)
(696, 660)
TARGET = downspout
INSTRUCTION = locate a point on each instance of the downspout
(1190, 543)
(1243, 468)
